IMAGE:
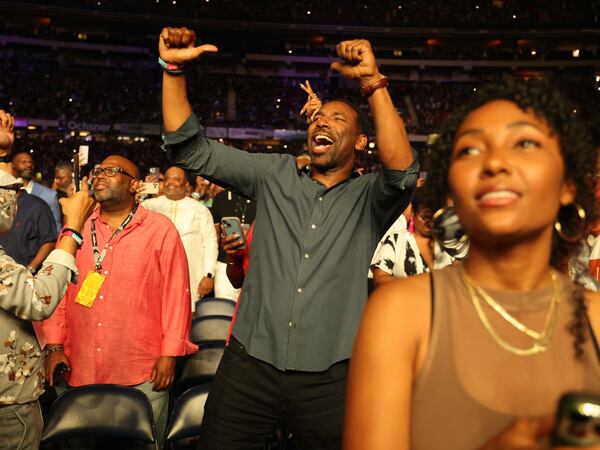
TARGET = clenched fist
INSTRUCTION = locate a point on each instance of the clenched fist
(359, 61)
(177, 46)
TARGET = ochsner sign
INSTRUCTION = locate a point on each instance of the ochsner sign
(88, 126)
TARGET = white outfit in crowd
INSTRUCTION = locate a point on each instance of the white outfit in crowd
(195, 225)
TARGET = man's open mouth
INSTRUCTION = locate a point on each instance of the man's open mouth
(322, 142)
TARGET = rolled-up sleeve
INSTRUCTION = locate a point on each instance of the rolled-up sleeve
(176, 311)
(392, 192)
(226, 166)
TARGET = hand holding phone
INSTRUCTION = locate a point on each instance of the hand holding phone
(232, 226)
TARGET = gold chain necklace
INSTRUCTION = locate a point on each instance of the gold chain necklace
(541, 339)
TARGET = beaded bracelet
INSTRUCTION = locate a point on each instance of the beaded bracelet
(170, 68)
(73, 234)
(57, 348)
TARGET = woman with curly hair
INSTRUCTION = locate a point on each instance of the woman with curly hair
(476, 355)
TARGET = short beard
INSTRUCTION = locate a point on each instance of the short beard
(108, 197)
(25, 177)
(326, 164)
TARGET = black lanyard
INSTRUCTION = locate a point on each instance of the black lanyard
(99, 257)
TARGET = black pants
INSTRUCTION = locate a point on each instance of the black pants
(249, 398)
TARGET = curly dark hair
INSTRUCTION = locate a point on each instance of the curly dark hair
(547, 101)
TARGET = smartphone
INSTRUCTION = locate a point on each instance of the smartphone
(154, 174)
(577, 420)
(232, 225)
(150, 187)
(84, 155)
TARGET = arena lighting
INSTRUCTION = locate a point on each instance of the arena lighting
(30, 150)
(290, 51)
(433, 41)
(308, 13)
(371, 144)
(576, 53)
(597, 78)
(397, 52)
(284, 145)
(84, 133)
(31, 127)
(533, 52)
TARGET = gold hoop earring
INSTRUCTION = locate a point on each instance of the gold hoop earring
(559, 227)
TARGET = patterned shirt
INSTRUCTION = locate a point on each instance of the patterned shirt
(398, 255)
(306, 285)
(24, 298)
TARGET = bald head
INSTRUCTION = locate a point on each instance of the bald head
(123, 163)
(116, 192)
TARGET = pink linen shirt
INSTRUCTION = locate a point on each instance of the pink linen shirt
(141, 312)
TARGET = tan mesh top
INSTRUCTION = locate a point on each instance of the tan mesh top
(470, 388)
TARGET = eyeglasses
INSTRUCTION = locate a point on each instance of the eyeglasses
(110, 171)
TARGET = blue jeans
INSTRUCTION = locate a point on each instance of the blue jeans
(21, 426)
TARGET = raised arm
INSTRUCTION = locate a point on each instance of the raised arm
(35, 298)
(392, 140)
(176, 47)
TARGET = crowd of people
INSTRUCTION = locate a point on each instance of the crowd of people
(492, 13)
(476, 327)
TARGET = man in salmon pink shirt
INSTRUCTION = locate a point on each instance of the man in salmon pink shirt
(129, 315)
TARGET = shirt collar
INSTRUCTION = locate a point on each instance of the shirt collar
(138, 217)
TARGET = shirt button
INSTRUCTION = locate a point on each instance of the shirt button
(106, 272)
(291, 324)
(320, 199)
(313, 226)
(99, 324)
(101, 297)
(99, 349)
(306, 256)
(110, 248)
(299, 289)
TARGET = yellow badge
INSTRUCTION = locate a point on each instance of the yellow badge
(89, 289)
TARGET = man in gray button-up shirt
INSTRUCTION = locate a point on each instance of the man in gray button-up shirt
(314, 235)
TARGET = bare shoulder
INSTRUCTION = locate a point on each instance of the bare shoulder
(400, 309)
(412, 292)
